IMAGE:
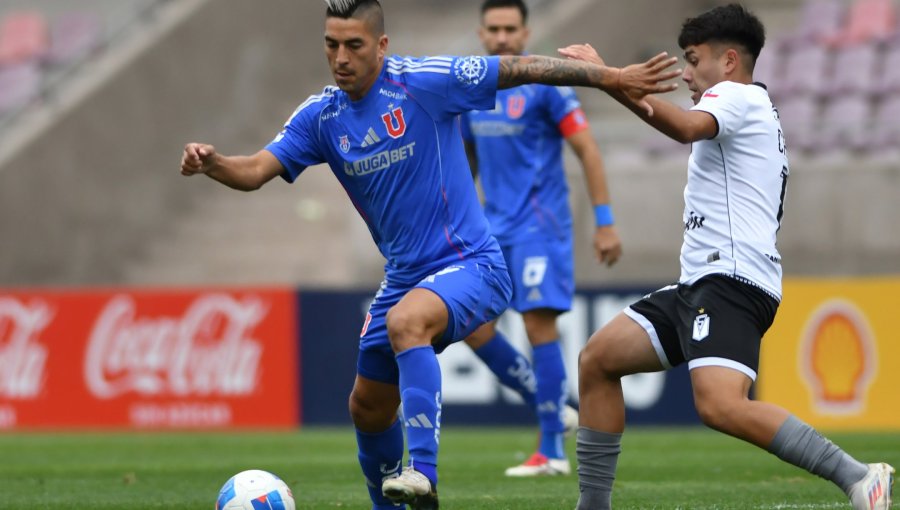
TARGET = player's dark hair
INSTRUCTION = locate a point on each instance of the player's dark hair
(496, 4)
(369, 10)
(729, 24)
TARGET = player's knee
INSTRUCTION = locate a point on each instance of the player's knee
(370, 416)
(716, 413)
(405, 329)
(540, 326)
(593, 361)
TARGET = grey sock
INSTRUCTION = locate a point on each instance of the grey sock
(799, 444)
(598, 453)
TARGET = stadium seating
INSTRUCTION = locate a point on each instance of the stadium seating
(806, 70)
(819, 20)
(854, 70)
(23, 36)
(19, 85)
(843, 124)
(33, 45)
(798, 116)
(768, 67)
(887, 78)
(839, 77)
(867, 20)
(72, 36)
(884, 131)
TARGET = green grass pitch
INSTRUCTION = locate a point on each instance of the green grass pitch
(690, 468)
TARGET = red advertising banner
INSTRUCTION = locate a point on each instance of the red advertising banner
(148, 359)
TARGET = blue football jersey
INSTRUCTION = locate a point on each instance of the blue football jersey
(399, 155)
(519, 147)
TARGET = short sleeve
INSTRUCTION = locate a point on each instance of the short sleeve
(565, 110)
(465, 128)
(725, 101)
(297, 145)
(448, 86)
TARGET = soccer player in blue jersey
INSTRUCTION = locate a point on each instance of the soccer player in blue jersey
(516, 149)
(390, 133)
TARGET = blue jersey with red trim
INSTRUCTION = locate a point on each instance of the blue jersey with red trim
(519, 147)
(398, 154)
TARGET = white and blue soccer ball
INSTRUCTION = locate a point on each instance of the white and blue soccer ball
(255, 490)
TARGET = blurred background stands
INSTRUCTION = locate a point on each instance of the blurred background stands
(42, 42)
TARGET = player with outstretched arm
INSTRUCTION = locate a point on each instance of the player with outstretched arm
(714, 318)
(390, 133)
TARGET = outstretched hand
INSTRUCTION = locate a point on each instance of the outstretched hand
(198, 158)
(637, 80)
(583, 52)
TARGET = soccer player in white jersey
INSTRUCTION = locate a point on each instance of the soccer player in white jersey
(730, 285)
(517, 151)
(390, 133)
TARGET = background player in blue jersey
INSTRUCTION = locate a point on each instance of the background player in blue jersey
(516, 149)
(390, 133)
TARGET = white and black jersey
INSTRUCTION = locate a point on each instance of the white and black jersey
(734, 198)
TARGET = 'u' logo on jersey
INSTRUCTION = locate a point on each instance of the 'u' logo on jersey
(515, 106)
(394, 122)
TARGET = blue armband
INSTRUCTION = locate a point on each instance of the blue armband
(603, 215)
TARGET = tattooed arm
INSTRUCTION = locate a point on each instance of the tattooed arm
(519, 70)
(636, 80)
(683, 126)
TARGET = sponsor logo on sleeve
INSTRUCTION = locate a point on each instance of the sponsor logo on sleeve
(470, 70)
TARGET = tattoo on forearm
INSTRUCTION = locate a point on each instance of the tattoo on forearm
(519, 70)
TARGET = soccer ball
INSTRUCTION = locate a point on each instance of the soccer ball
(255, 490)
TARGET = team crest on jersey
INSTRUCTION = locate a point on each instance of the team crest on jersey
(515, 106)
(394, 122)
(470, 70)
(345, 143)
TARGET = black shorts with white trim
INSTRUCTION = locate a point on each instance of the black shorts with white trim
(718, 321)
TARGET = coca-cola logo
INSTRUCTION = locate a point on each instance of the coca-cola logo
(22, 358)
(207, 351)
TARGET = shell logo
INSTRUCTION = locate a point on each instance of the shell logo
(838, 358)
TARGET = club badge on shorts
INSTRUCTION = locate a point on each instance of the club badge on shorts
(701, 326)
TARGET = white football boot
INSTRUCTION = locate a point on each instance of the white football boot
(412, 488)
(873, 492)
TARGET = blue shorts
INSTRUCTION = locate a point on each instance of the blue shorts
(542, 274)
(475, 291)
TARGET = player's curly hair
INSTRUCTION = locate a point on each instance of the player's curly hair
(725, 24)
(496, 4)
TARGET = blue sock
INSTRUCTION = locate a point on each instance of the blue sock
(429, 470)
(420, 393)
(380, 456)
(551, 397)
(510, 366)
